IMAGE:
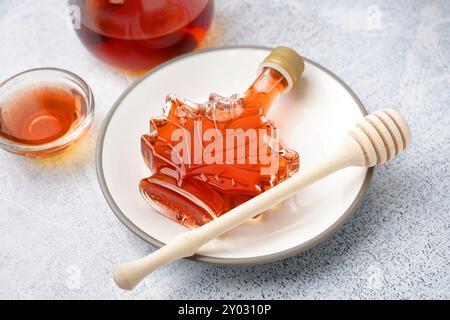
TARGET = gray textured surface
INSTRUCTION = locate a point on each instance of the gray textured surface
(59, 239)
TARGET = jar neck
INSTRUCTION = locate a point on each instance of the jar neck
(267, 87)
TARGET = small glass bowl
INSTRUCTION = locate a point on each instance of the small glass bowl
(55, 78)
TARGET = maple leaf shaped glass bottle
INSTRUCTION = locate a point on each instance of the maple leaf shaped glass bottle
(206, 159)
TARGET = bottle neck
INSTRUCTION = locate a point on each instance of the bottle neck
(266, 89)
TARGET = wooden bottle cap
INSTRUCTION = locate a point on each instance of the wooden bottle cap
(286, 61)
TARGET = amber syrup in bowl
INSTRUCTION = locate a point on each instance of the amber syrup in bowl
(43, 111)
(137, 35)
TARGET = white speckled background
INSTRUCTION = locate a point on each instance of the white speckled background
(59, 239)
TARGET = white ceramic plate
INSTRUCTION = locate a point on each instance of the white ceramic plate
(313, 119)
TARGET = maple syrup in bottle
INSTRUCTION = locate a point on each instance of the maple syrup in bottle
(140, 34)
(206, 159)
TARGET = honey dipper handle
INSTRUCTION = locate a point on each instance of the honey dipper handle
(349, 154)
(128, 275)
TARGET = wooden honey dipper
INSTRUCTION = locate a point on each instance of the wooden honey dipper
(377, 138)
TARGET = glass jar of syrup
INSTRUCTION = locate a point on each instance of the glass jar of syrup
(140, 34)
